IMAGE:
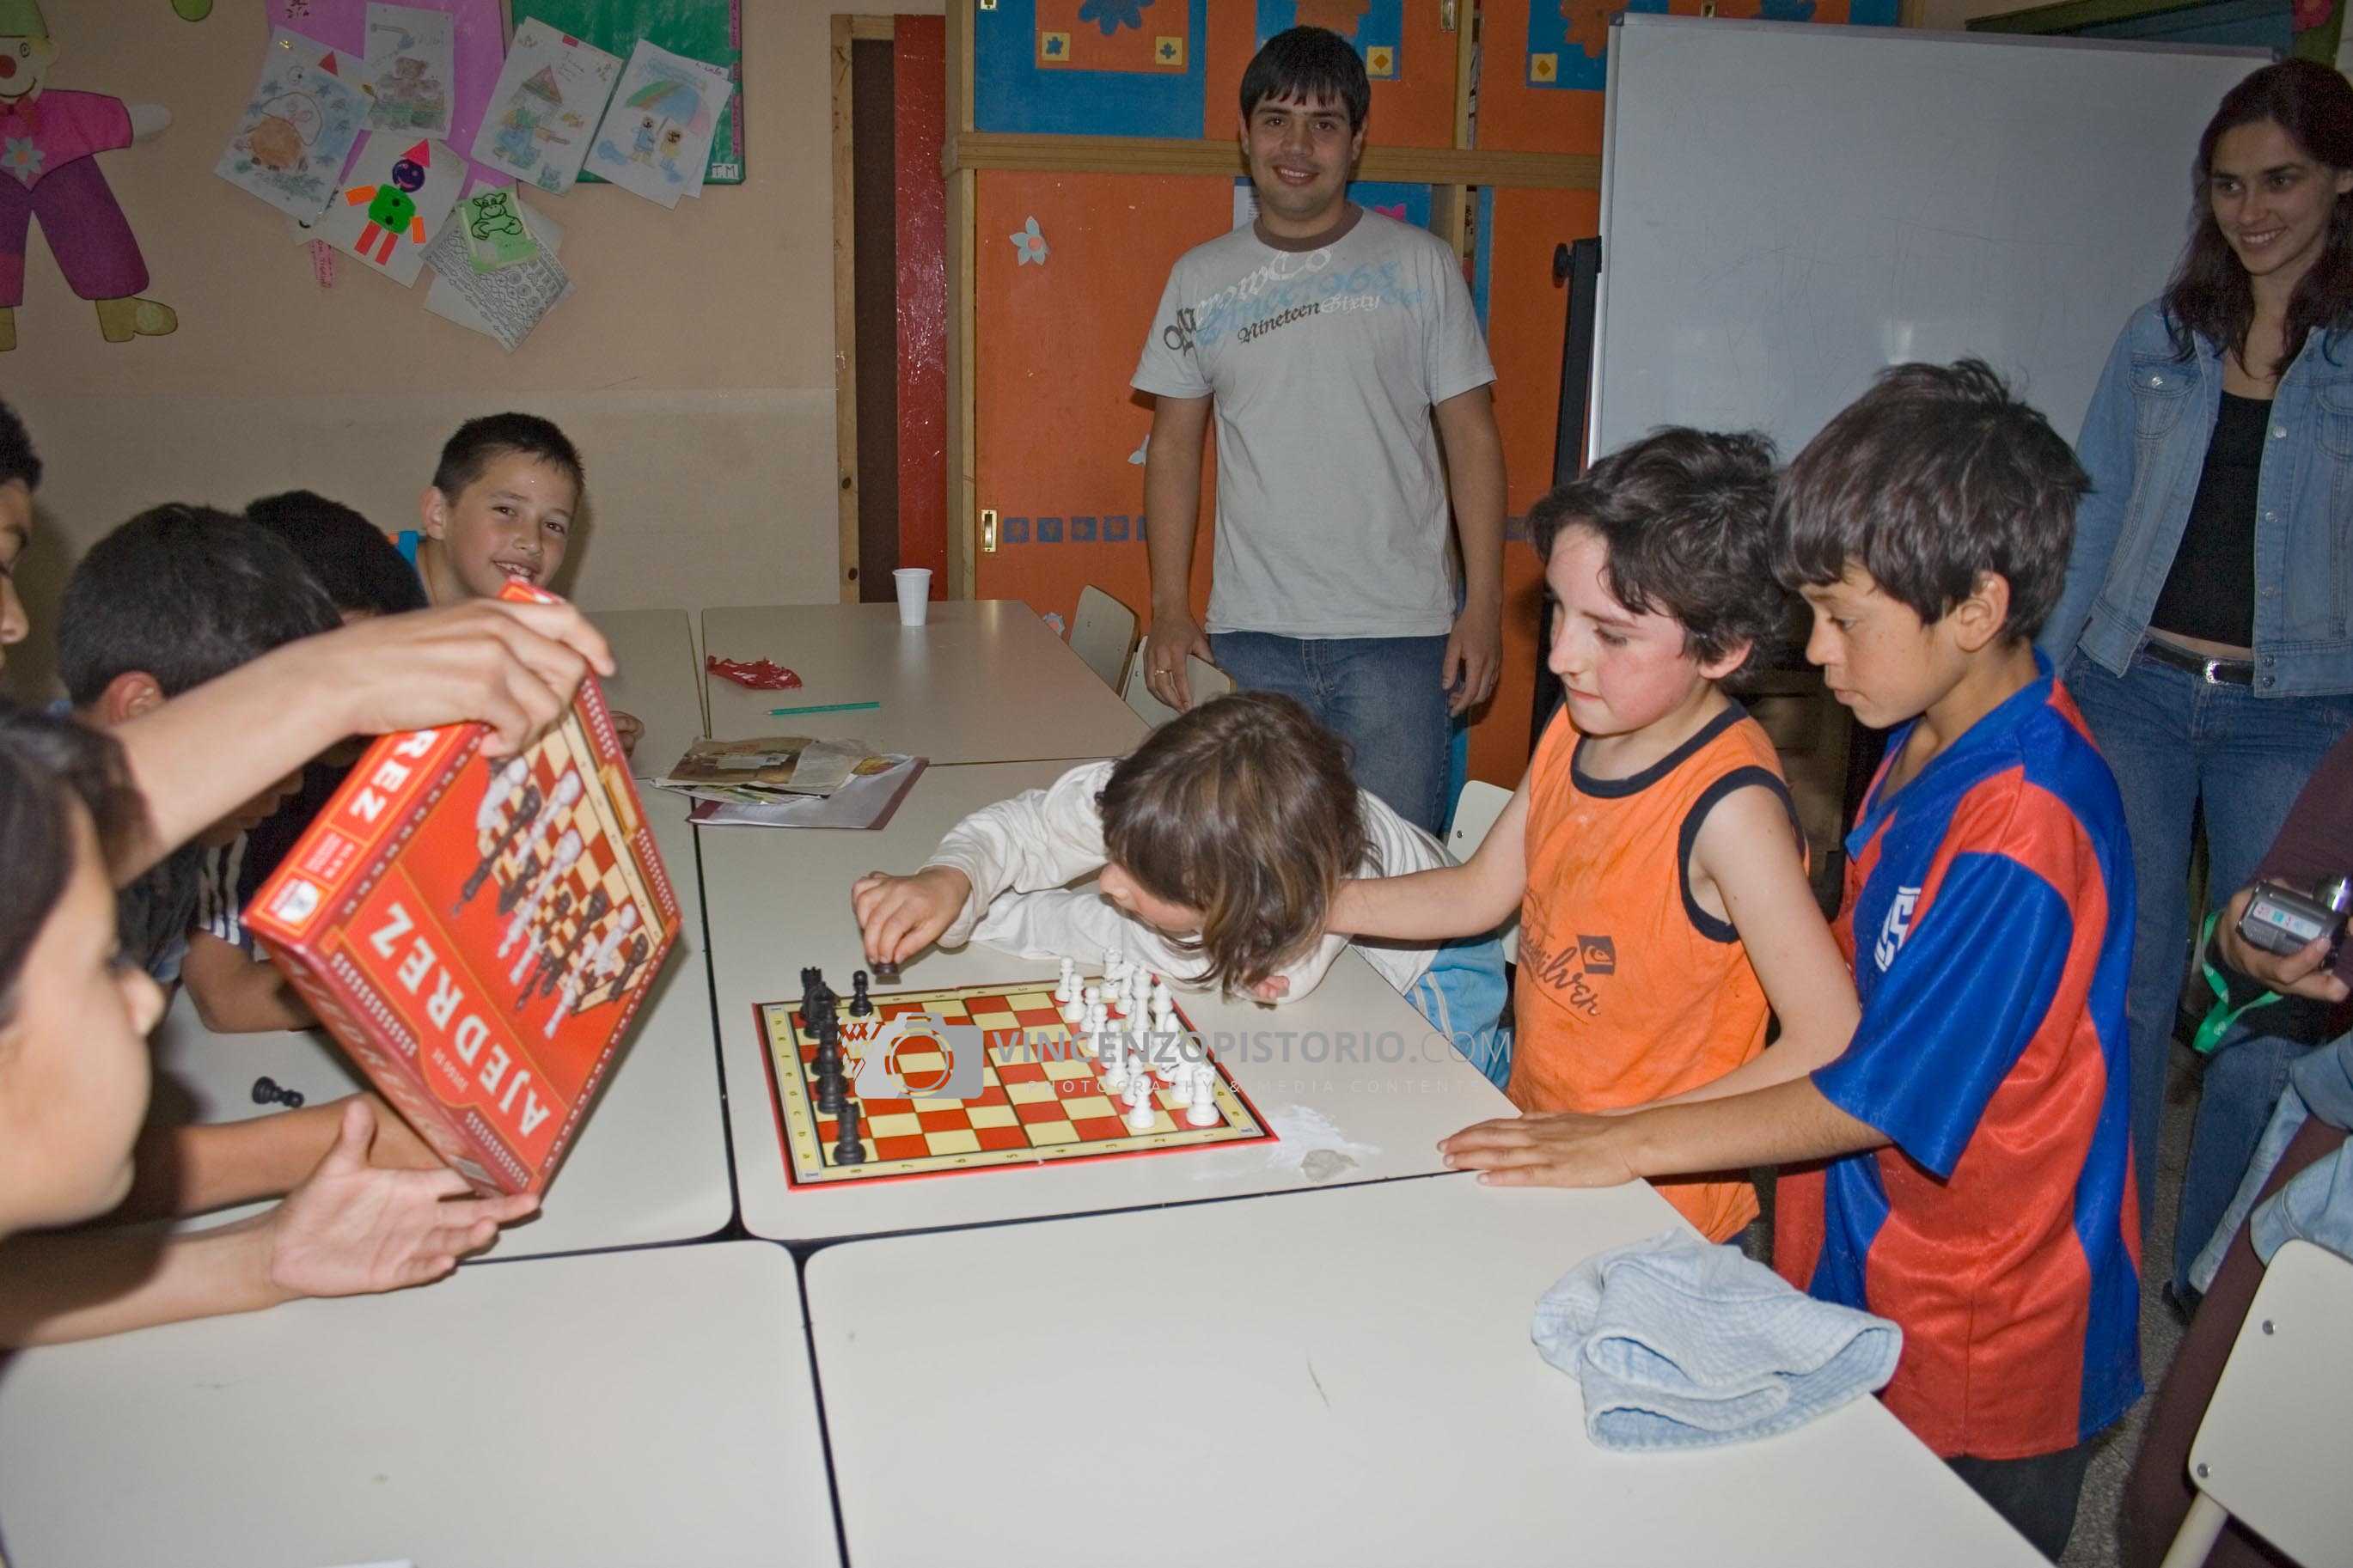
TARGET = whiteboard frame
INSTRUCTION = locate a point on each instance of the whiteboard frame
(2254, 56)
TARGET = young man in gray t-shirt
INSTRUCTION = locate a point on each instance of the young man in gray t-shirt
(1341, 354)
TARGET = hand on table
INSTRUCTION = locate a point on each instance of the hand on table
(630, 729)
(898, 917)
(1552, 1148)
(2303, 972)
(353, 1228)
(1273, 988)
(1175, 636)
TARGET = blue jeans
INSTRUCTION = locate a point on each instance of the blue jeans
(2180, 746)
(1381, 695)
(2243, 1080)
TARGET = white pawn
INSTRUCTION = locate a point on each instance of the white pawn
(1142, 1104)
(1115, 1064)
(1201, 1103)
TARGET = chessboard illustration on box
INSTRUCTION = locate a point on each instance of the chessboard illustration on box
(477, 933)
(979, 1078)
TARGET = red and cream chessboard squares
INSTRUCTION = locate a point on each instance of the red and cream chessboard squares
(1051, 1090)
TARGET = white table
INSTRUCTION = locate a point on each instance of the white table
(660, 682)
(779, 899)
(650, 1163)
(623, 1408)
(984, 681)
(1343, 1380)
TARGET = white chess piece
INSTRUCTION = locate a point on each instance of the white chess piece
(1115, 1065)
(1146, 1112)
(1201, 1099)
(1075, 1007)
(505, 785)
(1163, 1004)
(559, 800)
(1067, 986)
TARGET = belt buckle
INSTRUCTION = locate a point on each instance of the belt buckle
(2213, 665)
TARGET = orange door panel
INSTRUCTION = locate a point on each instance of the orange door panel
(1059, 321)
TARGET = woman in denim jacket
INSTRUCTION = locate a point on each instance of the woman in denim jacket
(2207, 626)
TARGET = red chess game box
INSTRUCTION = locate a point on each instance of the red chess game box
(478, 933)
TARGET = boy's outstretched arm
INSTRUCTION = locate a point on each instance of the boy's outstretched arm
(1779, 1125)
(236, 992)
(1449, 901)
(195, 758)
(350, 1229)
(189, 1168)
(1748, 850)
(1040, 838)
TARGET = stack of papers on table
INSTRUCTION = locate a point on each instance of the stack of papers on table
(771, 769)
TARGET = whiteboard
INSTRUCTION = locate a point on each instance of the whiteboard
(1787, 208)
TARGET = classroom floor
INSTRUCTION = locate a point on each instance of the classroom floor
(2093, 1544)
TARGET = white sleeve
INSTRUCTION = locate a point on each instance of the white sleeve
(1040, 838)
(1086, 926)
(1454, 351)
(1170, 367)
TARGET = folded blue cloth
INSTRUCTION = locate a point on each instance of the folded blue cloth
(1678, 1345)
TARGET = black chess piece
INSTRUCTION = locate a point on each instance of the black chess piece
(600, 904)
(524, 813)
(847, 1148)
(526, 875)
(831, 1088)
(638, 948)
(859, 1007)
(264, 1092)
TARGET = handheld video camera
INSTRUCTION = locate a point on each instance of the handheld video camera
(2283, 921)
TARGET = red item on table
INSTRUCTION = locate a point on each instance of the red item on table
(478, 934)
(760, 674)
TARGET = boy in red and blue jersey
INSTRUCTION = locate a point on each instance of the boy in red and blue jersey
(1964, 1167)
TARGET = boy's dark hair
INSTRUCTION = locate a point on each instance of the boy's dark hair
(465, 454)
(17, 459)
(183, 593)
(350, 557)
(1242, 808)
(47, 765)
(1934, 476)
(1685, 517)
(1308, 63)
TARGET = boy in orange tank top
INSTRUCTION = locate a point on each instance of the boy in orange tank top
(1651, 851)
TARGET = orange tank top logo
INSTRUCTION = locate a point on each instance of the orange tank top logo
(1570, 973)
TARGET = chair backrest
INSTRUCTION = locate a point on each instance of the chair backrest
(1207, 679)
(2271, 1451)
(1475, 810)
(1102, 633)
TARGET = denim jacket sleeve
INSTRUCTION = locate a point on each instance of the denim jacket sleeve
(2105, 448)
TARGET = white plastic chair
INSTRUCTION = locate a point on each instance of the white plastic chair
(1475, 810)
(1207, 682)
(2271, 1452)
(1102, 633)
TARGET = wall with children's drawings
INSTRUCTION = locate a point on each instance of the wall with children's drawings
(694, 368)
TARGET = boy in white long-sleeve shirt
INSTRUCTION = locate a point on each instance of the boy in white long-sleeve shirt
(1219, 842)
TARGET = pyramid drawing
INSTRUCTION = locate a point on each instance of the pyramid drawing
(542, 84)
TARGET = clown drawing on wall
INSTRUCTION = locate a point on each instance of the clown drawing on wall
(48, 170)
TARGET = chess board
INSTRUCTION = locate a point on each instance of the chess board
(1042, 1102)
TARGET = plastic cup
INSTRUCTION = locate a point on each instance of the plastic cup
(914, 586)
